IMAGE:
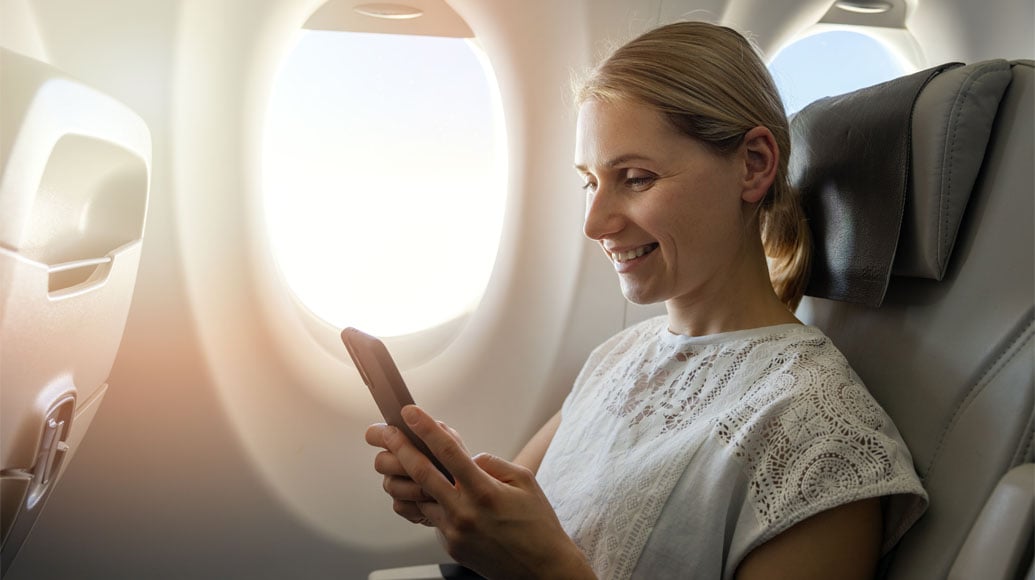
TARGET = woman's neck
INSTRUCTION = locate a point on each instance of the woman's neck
(743, 299)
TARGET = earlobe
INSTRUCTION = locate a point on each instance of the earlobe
(761, 158)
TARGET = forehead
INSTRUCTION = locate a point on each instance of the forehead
(609, 130)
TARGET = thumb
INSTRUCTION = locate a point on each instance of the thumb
(501, 469)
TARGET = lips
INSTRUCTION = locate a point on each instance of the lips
(629, 255)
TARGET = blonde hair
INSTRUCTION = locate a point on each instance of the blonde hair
(711, 84)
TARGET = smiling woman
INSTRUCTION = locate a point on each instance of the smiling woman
(385, 163)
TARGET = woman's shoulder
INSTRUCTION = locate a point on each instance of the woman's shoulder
(796, 349)
(801, 368)
(810, 436)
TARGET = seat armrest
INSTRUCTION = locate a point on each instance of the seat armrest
(998, 545)
(428, 572)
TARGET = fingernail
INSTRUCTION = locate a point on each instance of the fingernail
(410, 415)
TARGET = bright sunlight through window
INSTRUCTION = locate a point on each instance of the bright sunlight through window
(385, 178)
(831, 63)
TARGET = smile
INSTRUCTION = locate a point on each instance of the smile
(619, 257)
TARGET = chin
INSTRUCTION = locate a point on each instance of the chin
(640, 296)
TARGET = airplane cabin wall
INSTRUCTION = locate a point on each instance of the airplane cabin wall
(19, 31)
(974, 31)
(161, 487)
(226, 446)
(210, 457)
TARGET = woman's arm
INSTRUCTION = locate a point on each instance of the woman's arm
(531, 455)
(843, 542)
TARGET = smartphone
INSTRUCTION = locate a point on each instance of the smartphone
(378, 371)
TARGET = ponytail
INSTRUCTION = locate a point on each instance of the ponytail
(787, 240)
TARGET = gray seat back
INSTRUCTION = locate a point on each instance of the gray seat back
(942, 330)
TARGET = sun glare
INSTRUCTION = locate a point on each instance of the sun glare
(384, 178)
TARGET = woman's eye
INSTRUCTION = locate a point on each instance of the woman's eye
(639, 182)
(589, 186)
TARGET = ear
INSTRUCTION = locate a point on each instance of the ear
(761, 157)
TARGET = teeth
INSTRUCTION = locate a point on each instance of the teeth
(631, 254)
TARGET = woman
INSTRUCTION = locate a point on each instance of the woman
(725, 439)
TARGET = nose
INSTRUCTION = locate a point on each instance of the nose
(603, 215)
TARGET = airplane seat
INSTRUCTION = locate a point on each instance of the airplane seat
(920, 195)
(74, 172)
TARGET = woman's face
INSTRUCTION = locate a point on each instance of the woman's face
(665, 208)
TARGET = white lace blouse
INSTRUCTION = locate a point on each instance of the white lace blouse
(676, 456)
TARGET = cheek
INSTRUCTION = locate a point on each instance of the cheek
(702, 233)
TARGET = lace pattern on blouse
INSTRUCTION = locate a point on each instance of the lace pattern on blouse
(784, 403)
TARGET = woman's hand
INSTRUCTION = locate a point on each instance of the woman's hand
(404, 491)
(495, 519)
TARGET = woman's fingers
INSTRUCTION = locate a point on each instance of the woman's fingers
(505, 471)
(446, 447)
(409, 500)
(405, 489)
(412, 511)
(415, 465)
(432, 513)
(375, 435)
(397, 482)
(455, 435)
(386, 463)
(398, 485)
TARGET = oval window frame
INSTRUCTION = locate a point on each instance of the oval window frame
(414, 348)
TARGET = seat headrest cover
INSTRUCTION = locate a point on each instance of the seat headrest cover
(852, 157)
(952, 124)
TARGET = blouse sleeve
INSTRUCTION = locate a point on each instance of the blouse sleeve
(810, 437)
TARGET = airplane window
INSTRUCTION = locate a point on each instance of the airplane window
(832, 63)
(384, 178)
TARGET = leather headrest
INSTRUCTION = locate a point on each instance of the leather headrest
(885, 174)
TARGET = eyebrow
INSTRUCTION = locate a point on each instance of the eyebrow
(621, 159)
